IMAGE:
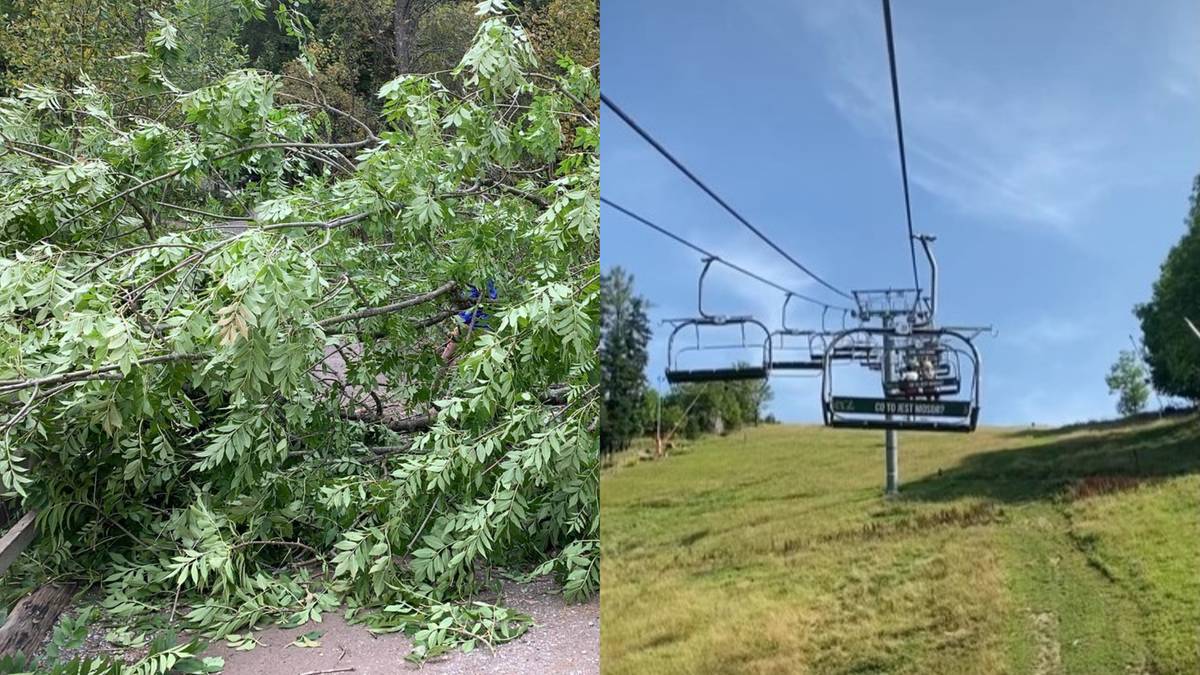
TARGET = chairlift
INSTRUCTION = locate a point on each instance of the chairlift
(817, 345)
(857, 348)
(676, 374)
(810, 366)
(920, 393)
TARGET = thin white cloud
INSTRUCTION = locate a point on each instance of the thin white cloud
(1182, 74)
(986, 150)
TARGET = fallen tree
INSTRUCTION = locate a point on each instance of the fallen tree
(173, 290)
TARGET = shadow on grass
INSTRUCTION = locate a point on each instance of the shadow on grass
(1045, 468)
(1101, 425)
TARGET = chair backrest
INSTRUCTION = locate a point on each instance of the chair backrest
(676, 373)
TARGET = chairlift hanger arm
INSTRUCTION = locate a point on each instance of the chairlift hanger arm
(708, 261)
(972, 331)
(926, 241)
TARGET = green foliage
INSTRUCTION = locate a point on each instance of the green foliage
(437, 628)
(355, 48)
(578, 565)
(70, 632)
(649, 412)
(14, 663)
(625, 332)
(163, 655)
(130, 48)
(569, 28)
(700, 408)
(1173, 351)
(1128, 378)
(231, 347)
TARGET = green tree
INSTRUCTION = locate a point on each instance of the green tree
(649, 415)
(751, 396)
(372, 40)
(1173, 352)
(1128, 378)
(624, 336)
(126, 48)
(358, 45)
(565, 27)
(694, 407)
(724, 406)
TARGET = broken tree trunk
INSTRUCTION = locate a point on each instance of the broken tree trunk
(33, 617)
(36, 613)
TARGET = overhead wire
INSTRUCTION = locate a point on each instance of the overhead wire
(699, 183)
(709, 254)
(891, 48)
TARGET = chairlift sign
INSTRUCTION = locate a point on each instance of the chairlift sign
(904, 407)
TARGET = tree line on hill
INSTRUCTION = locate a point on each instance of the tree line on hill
(631, 407)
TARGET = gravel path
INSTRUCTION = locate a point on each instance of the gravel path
(565, 640)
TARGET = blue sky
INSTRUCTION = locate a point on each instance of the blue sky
(1051, 150)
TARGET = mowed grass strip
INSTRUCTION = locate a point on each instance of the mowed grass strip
(1018, 551)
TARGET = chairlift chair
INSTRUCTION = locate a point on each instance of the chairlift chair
(858, 347)
(860, 350)
(934, 403)
(676, 374)
(811, 366)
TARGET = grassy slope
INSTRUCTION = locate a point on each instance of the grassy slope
(774, 551)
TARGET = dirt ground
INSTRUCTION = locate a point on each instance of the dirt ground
(565, 640)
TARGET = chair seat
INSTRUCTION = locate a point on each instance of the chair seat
(797, 365)
(716, 374)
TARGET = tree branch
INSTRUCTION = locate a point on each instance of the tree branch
(9, 386)
(225, 155)
(388, 309)
(535, 198)
(579, 105)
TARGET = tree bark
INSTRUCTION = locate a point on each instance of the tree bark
(16, 540)
(404, 28)
(33, 617)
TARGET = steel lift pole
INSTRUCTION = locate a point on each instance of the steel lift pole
(891, 437)
(891, 440)
(892, 447)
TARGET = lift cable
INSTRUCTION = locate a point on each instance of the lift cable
(891, 47)
(679, 165)
(717, 258)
